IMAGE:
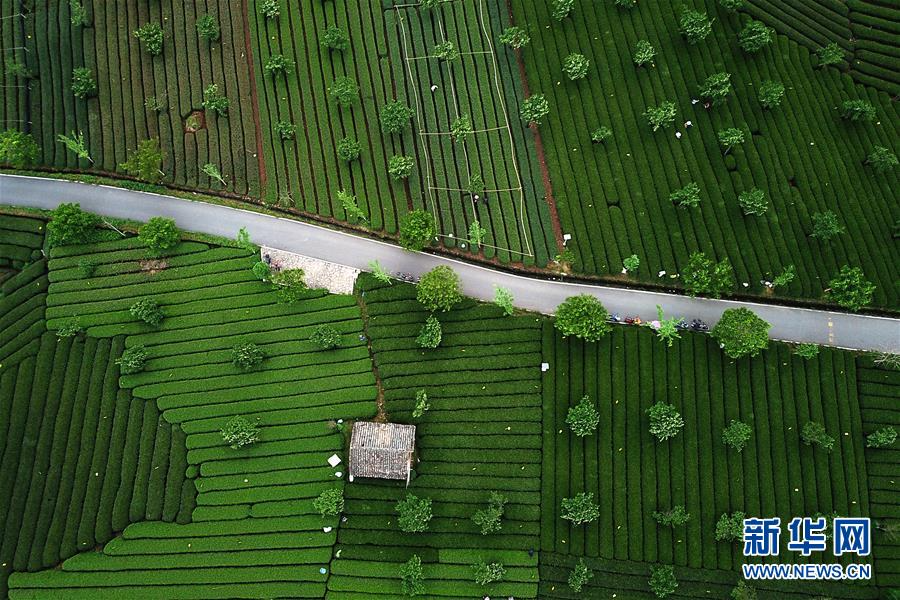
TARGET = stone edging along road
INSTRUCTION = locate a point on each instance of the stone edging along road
(792, 324)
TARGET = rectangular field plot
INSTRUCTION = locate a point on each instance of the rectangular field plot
(476, 179)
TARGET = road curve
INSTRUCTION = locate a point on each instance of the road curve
(856, 332)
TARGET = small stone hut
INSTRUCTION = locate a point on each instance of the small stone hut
(382, 450)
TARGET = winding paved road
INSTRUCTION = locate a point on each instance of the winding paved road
(856, 332)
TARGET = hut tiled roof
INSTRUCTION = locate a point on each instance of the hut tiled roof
(382, 450)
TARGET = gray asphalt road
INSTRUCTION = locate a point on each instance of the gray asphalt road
(790, 324)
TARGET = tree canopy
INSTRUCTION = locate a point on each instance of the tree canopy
(582, 316)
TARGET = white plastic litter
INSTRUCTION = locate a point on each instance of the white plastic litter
(567, 236)
(334, 460)
(545, 367)
(678, 134)
(661, 273)
(326, 529)
(338, 473)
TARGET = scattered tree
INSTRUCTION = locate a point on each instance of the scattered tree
(583, 418)
(326, 337)
(716, 87)
(741, 333)
(562, 9)
(208, 28)
(832, 54)
(806, 351)
(87, 267)
(626, 3)
(694, 26)
(785, 277)
(730, 137)
(77, 13)
(825, 226)
(666, 329)
(247, 355)
(659, 116)
(731, 5)
(743, 591)
(379, 273)
(770, 93)
(153, 104)
(489, 520)
(400, 167)
(515, 37)
(755, 36)
(850, 288)
(575, 66)
(133, 360)
(430, 335)
(882, 438)
(151, 35)
(504, 299)
(351, 206)
(857, 110)
(289, 285)
(486, 573)
(674, 517)
(330, 502)
(814, 433)
(158, 235)
(348, 149)
(882, 159)
(580, 509)
(421, 406)
(262, 271)
(665, 421)
(395, 117)
(705, 276)
(16, 69)
(662, 580)
(582, 316)
(145, 161)
(579, 576)
(69, 328)
(286, 130)
(239, 432)
(214, 100)
(438, 289)
(270, 8)
(70, 225)
(412, 577)
(631, 263)
(17, 148)
(687, 196)
(278, 65)
(601, 134)
(477, 233)
(643, 53)
(446, 51)
(736, 435)
(83, 84)
(730, 528)
(417, 229)
(148, 311)
(461, 128)
(344, 91)
(415, 513)
(534, 109)
(76, 144)
(753, 202)
(212, 171)
(335, 38)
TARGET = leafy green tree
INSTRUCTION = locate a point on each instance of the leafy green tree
(534, 108)
(212, 171)
(133, 360)
(278, 65)
(430, 335)
(70, 225)
(379, 272)
(687, 196)
(270, 9)
(77, 13)
(643, 53)
(882, 159)
(807, 351)
(350, 205)
(421, 406)
(882, 438)
(239, 432)
(662, 580)
(70, 328)
(438, 289)
(659, 116)
(770, 93)
(400, 167)
(344, 91)
(151, 34)
(486, 573)
(731, 5)
(489, 520)
(515, 37)
(625, 3)
(575, 66)
(76, 144)
(285, 130)
(582, 316)
(631, 263)
(825, 226)
(666, 329)
(753, 202)
(832, 54)
(601, 134)
(741, 333)
(579, 576)
(730, 527)
(461, 128)
(785, 277)
(743, 591)
(214, 100)
(247, 355)
(755, 36)
(561, 9)
(395, 117)
(262, 271)
(857, 110)
(736, 435)
(730, 137)
(504, 299)
(412, 577)
(850, 288)
(335, 38)
(705, 276)
(814, 434)
(477, 233)
(674, 517)
(348, 149)
(415, 513)
(83, 84)
(583, 418)
(694, 26)
(580, 509)
(716, 87)
(16, 69)
(87, 267)
(208, 28)
(446, 51)
(330, 502)
(665, 421)
(158, 235)
(326, 337)
(145, 161)
(148, 311)
(17, 148)
(417, 229)
(289, 285)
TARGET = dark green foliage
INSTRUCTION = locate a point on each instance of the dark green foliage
(716, 87)
(278, 64)
(438, 289)
(704, 276)
(215, 101)
(247, 355)
(665, 421)
(151, 34)
(882, 438)
(486, 573)
(662, 580)
(395, 117)
(579, 576)
(687, 196)
(770, 93)
(87, 267)
(430, 334)
(832, 54)
(285, 130)
(400, 166)
(731, 5)
(83, 84)
(515, 37)
(412, 577)
(662, 115)
(755, 36)
(857, 110)
(348, 149)
(335, 38)
(695, 26)
(562, 8)
(289, 285)
(145, 162)
(17, 148)
(575, 66)
(850, 288)
(583, 418)
(882, 159)
(148, 311)
(741, 333)
(262, 270)
(582, 316)
(736, 435)
(753, 202)
(417, 229)
(70, 328)
(330, 502)
(807, 351)
(825, 226)
(580, 509)
(208, 28)
(673, 517)
(730, 528)
(534, 109)
(643, 53)
(326, 337)
(489, 519)
(159, 235)
(814, 433)
(239, 432)
(601, 134)
(270, 9)
(132, 360)
(743, 591)
(70, 225)
(415, 513)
